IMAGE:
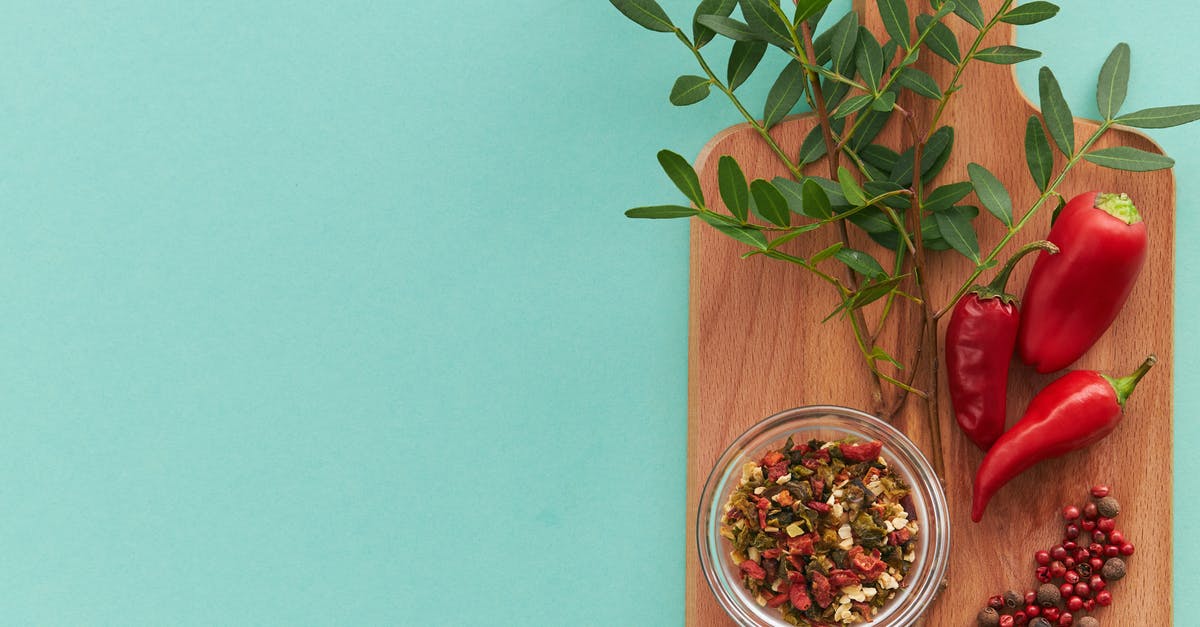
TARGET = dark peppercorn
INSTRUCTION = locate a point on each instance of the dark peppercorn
(1048, 595)
(1039, 622)
(1114, 569)
(1088, 621)
(989, 617)
(1108, 507)
(1012, 600)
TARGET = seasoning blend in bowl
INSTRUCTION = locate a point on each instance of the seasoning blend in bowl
(821, 516)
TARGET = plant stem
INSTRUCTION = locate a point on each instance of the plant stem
(962, 65)
(750, 119)
(1016, 228)
(857, 319)
(929, 322)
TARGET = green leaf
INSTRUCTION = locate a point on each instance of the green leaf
(970, 12)
(885, 102)
(1031, 13)
(879, 188)
(793, 192)
(861, 263)
(873, 123)
(689, 90)
(869, 59)
(945, 196)
(1006, 55)
(895, 19)
(766, 23)
(873, 221)
(682, 175)
(959, 233)
(816, 202)
(1056, 112)
(806, 9)
(746, 235)
(702, 34)
(771, 204)
(729, 27)
(1161, 117)
(813, 147)
(718, 219)
(940, 40)
(661, 212)
(734, 192)
(1129, 159)
(743, 59)
(1037, 153)
(938, 150)
(833, 191)
(991, 193)
(826, 253)
(943, 11)
(920, 83)
(851, 105)
(843, 41)
(879, 354)
(850, 188)
(874, 290)
(1114, 82)
(784, 94)
(936, 153)
(646, 13)
(881, 157)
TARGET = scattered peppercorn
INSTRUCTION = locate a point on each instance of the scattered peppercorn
(1040, 622)
(1012, 600)
(1088, 621)
(1108, 507)
(989, 617)
(1114, 569)
(1048, 595)
(1100, 491)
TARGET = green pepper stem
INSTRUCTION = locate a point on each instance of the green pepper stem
(1125, 385)
(996, 289)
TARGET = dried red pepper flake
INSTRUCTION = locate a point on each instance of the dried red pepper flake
(779, 599)
(862, 452)
(798, 595)
(777, 470)
(772, 458)
(842, 577)
(802, 545)
(822, 590)
(771, 554)
(820, 507)
(753, 570)
(869, 566)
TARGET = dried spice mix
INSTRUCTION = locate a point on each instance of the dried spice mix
(820, 531)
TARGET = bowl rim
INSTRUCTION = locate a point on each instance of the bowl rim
(931, 492)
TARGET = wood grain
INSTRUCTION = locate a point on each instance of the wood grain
(756, 347)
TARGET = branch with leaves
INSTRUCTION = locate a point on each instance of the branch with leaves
(853, 82)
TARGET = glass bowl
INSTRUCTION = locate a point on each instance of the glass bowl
(827, 423)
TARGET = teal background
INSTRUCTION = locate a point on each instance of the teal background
(323, 313)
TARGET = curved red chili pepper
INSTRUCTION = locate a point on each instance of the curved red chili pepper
(1073, 297)
(1074, 411)
(980, 339)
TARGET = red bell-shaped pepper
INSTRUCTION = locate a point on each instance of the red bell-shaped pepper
(979, 347)
(1074, 296)
(1074, 411)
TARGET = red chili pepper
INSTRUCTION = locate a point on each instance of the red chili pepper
(861, 451)
(980, 340)
(1073, 297)
(1074, 411)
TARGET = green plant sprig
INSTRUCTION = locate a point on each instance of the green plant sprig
(852, 81)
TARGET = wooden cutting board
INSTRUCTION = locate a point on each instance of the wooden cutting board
(756, 346)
